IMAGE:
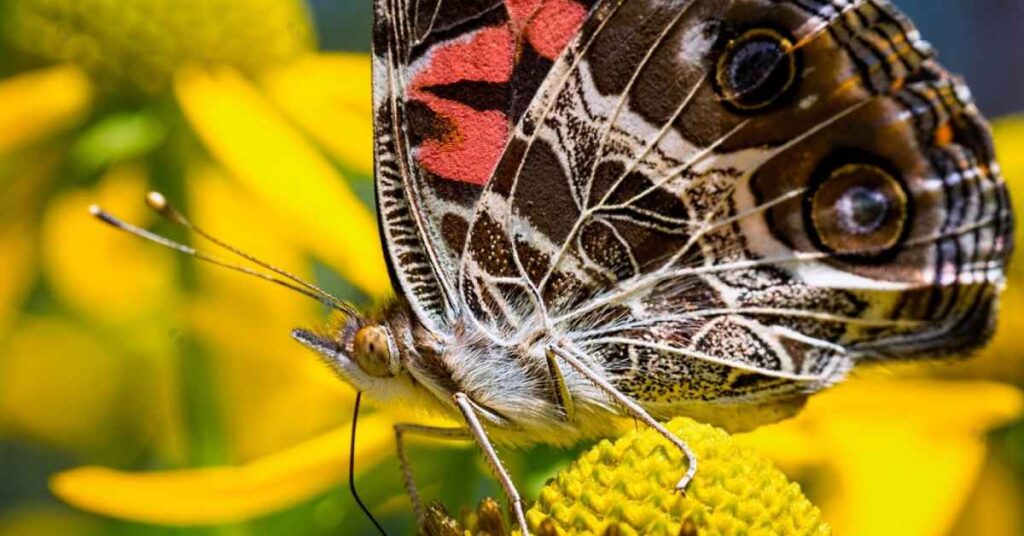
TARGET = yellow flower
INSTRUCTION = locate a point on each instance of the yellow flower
(222, 494)
(629, 486)
(140, 45)
(272, 394)
(41, 378)
(36, 104)
(135, 285)
(247, 135)
(116, 352)
(892, 455)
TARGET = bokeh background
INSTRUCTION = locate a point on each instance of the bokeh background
(160, 396)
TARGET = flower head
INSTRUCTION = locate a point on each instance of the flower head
(627, 486)
(630, 485)
(139, 44)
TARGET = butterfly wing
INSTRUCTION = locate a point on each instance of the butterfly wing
(451, 77)
(728, 200)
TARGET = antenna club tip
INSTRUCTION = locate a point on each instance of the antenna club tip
(157, 201)
(95, 210)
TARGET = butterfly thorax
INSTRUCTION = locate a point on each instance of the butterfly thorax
(510, 384)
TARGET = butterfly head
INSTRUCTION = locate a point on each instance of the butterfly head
(363, 352)
(375, 352)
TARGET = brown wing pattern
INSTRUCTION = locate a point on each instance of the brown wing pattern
(451, 77)
(717, 199)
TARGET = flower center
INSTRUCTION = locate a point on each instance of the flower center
(137, 45)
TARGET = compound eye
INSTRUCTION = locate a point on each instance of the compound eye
(374, 351)
(861, 209)
(756, 68)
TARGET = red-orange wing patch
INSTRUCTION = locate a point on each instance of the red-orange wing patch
(451, 79)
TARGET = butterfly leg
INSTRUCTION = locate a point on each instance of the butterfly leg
(427, 431)
(561, 390)
(636, 410)
(469, 412)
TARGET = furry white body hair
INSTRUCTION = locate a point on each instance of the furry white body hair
(511, 382)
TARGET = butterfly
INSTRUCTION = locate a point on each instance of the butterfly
(596, 209)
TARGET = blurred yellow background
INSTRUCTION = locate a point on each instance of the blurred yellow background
(160, 396)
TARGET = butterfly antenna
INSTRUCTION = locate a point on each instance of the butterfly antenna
(159, 204)
(352, 468)
(117, 223)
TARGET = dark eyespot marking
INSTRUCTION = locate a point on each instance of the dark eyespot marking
(859, 210)
(756, 68)
(862, 210)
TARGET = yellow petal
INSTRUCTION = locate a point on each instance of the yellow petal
(16, 251)
(956, 407)
(225, 494)
(275, 391)
(901, 481)
(895, 456)
(136, 45)
(60, 376)
(994, 507)
(102, 272)
(26, 179)
(328, 95)
(258, 146)
(36, 104)
(58, 386)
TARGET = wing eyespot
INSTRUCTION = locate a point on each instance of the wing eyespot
(756, 69)
(860, 210)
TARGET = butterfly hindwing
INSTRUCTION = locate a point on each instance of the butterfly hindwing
(719, 200)
(451, 78)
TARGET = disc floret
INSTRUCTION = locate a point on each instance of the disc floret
(628, 485)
